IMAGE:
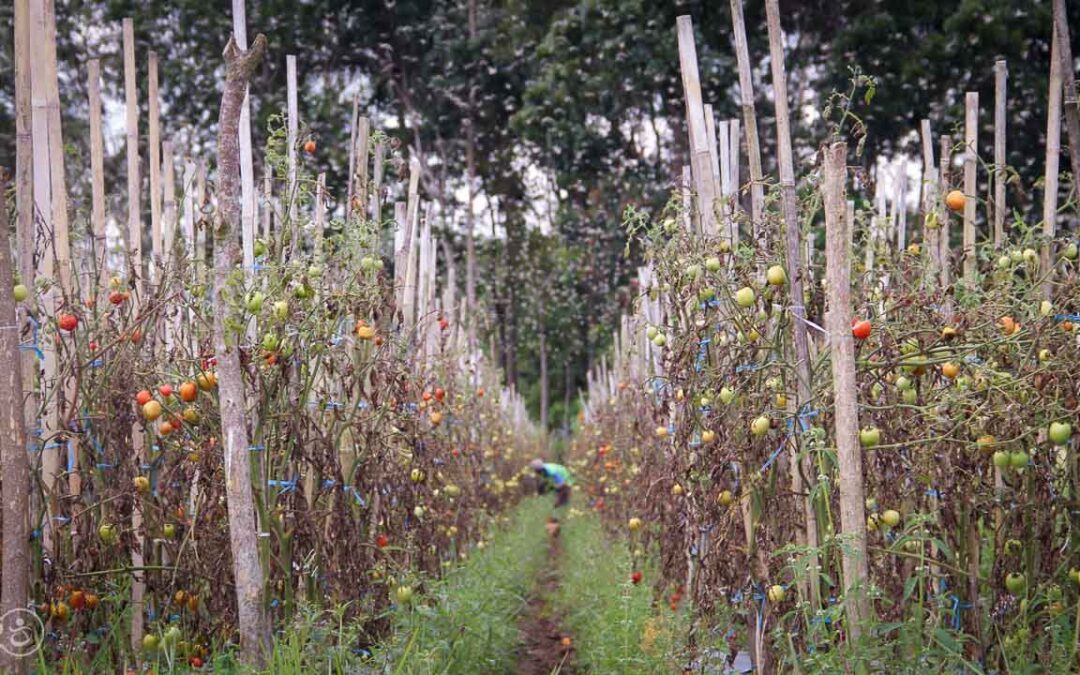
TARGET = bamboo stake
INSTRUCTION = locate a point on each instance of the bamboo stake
(1053, 157)
(714, 156)
(971, 190)
(134, 234)
(931, 235)
(360, 184)
(795, 272)
(377, 181)
(320, 214)
(900, 209)
(247, 160)
(411, 238)
(155, 168)
(841, 344)
(168, 213)
(733, 180)
(188, 221)
(700, 162)
(268, 202)
(134, 247)
(1001, 76)
(97, 171)
(753, 146)
(945, 255)
(1068, 80)
(292, 133)
(723, 134)
(352, 153)
(201, 199)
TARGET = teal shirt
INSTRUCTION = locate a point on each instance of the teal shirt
(557, 474)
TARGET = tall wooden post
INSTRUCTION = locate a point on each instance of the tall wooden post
(1001, 76)
(1053, 158)
(841, 344)
(247, 162)
(154, 144)
(795, 271)
(971, 190)
(753, 145)
(700, 161)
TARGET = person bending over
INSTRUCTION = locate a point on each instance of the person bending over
(552, 477)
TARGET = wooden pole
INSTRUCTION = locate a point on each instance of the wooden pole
(154, 144)
(795, 271)
(292, 132)
(247, 161)
(377, 181)
(267, 210)
(733, 179)
(1071, 107)
(971, 190)
(134, 247)
(753, 146)
(945, 176)
(97, 171)
(1001, 76)
(700, 161)
(168, 212)
(320, 214)
(134, 233)
(931, 235)
(1053, 157)
(361, 183)
(352, 153)
(841, 345)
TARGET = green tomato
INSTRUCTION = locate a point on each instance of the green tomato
(255, 302)
(870, 437)
(727, 395)
(712, 264)
(760, 426)
(745, 297)
(1019, 459)
(1060, 433)
(776, 276)
(20, 292)
(1015, 582)
(1070, 252)
(1002, 460)
(890, 517)
(281, 310)
(910, 396)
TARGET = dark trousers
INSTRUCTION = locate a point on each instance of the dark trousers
(562, 495)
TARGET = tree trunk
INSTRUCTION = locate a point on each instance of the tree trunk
(14, 464)
(253, 623)
(841, 344)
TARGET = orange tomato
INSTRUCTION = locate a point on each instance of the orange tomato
(189, 391)
(955, 200)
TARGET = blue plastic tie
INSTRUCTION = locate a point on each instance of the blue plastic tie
(1066, 317)
(285, 485)
(256, 448)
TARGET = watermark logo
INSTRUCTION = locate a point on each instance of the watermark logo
(21, 632)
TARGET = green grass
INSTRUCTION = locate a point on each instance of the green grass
(614, 623)
(468, 621)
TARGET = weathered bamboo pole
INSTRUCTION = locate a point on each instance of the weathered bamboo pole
(1053, 158)
(1071, 107)
(361, 184)
(247, 160)
(352, 154)
(14, 460)
(154, 143)
(795, 272)
(253, 623)
(134, 233)
(411, 248)
(753, 144)
(377, 181)
(97, 172)
(700, 161)
(267, 210)
(971, 190)
(931, 221)
(841, 345)
(292, 133)
(320, 214)
(734, 129)
(945, 176)
(1001, 77)
(135, 277)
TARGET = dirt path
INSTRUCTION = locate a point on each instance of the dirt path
(545, 648)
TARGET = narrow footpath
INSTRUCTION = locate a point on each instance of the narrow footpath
(545, 648)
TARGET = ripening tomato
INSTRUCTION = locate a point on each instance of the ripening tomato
(635, 577)
(166, 390)
(440, 393)
(861, 328)
(382, 541)
(143, 397)
(68, 322)
(189, 391)
(310, 147)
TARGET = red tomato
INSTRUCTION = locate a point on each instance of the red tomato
(68, 322)
(382, 541)
(166, 390)
(440, 394)
(143, 397)
(636, 577)
(860, 328)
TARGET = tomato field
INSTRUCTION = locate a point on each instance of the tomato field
(276, 425)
